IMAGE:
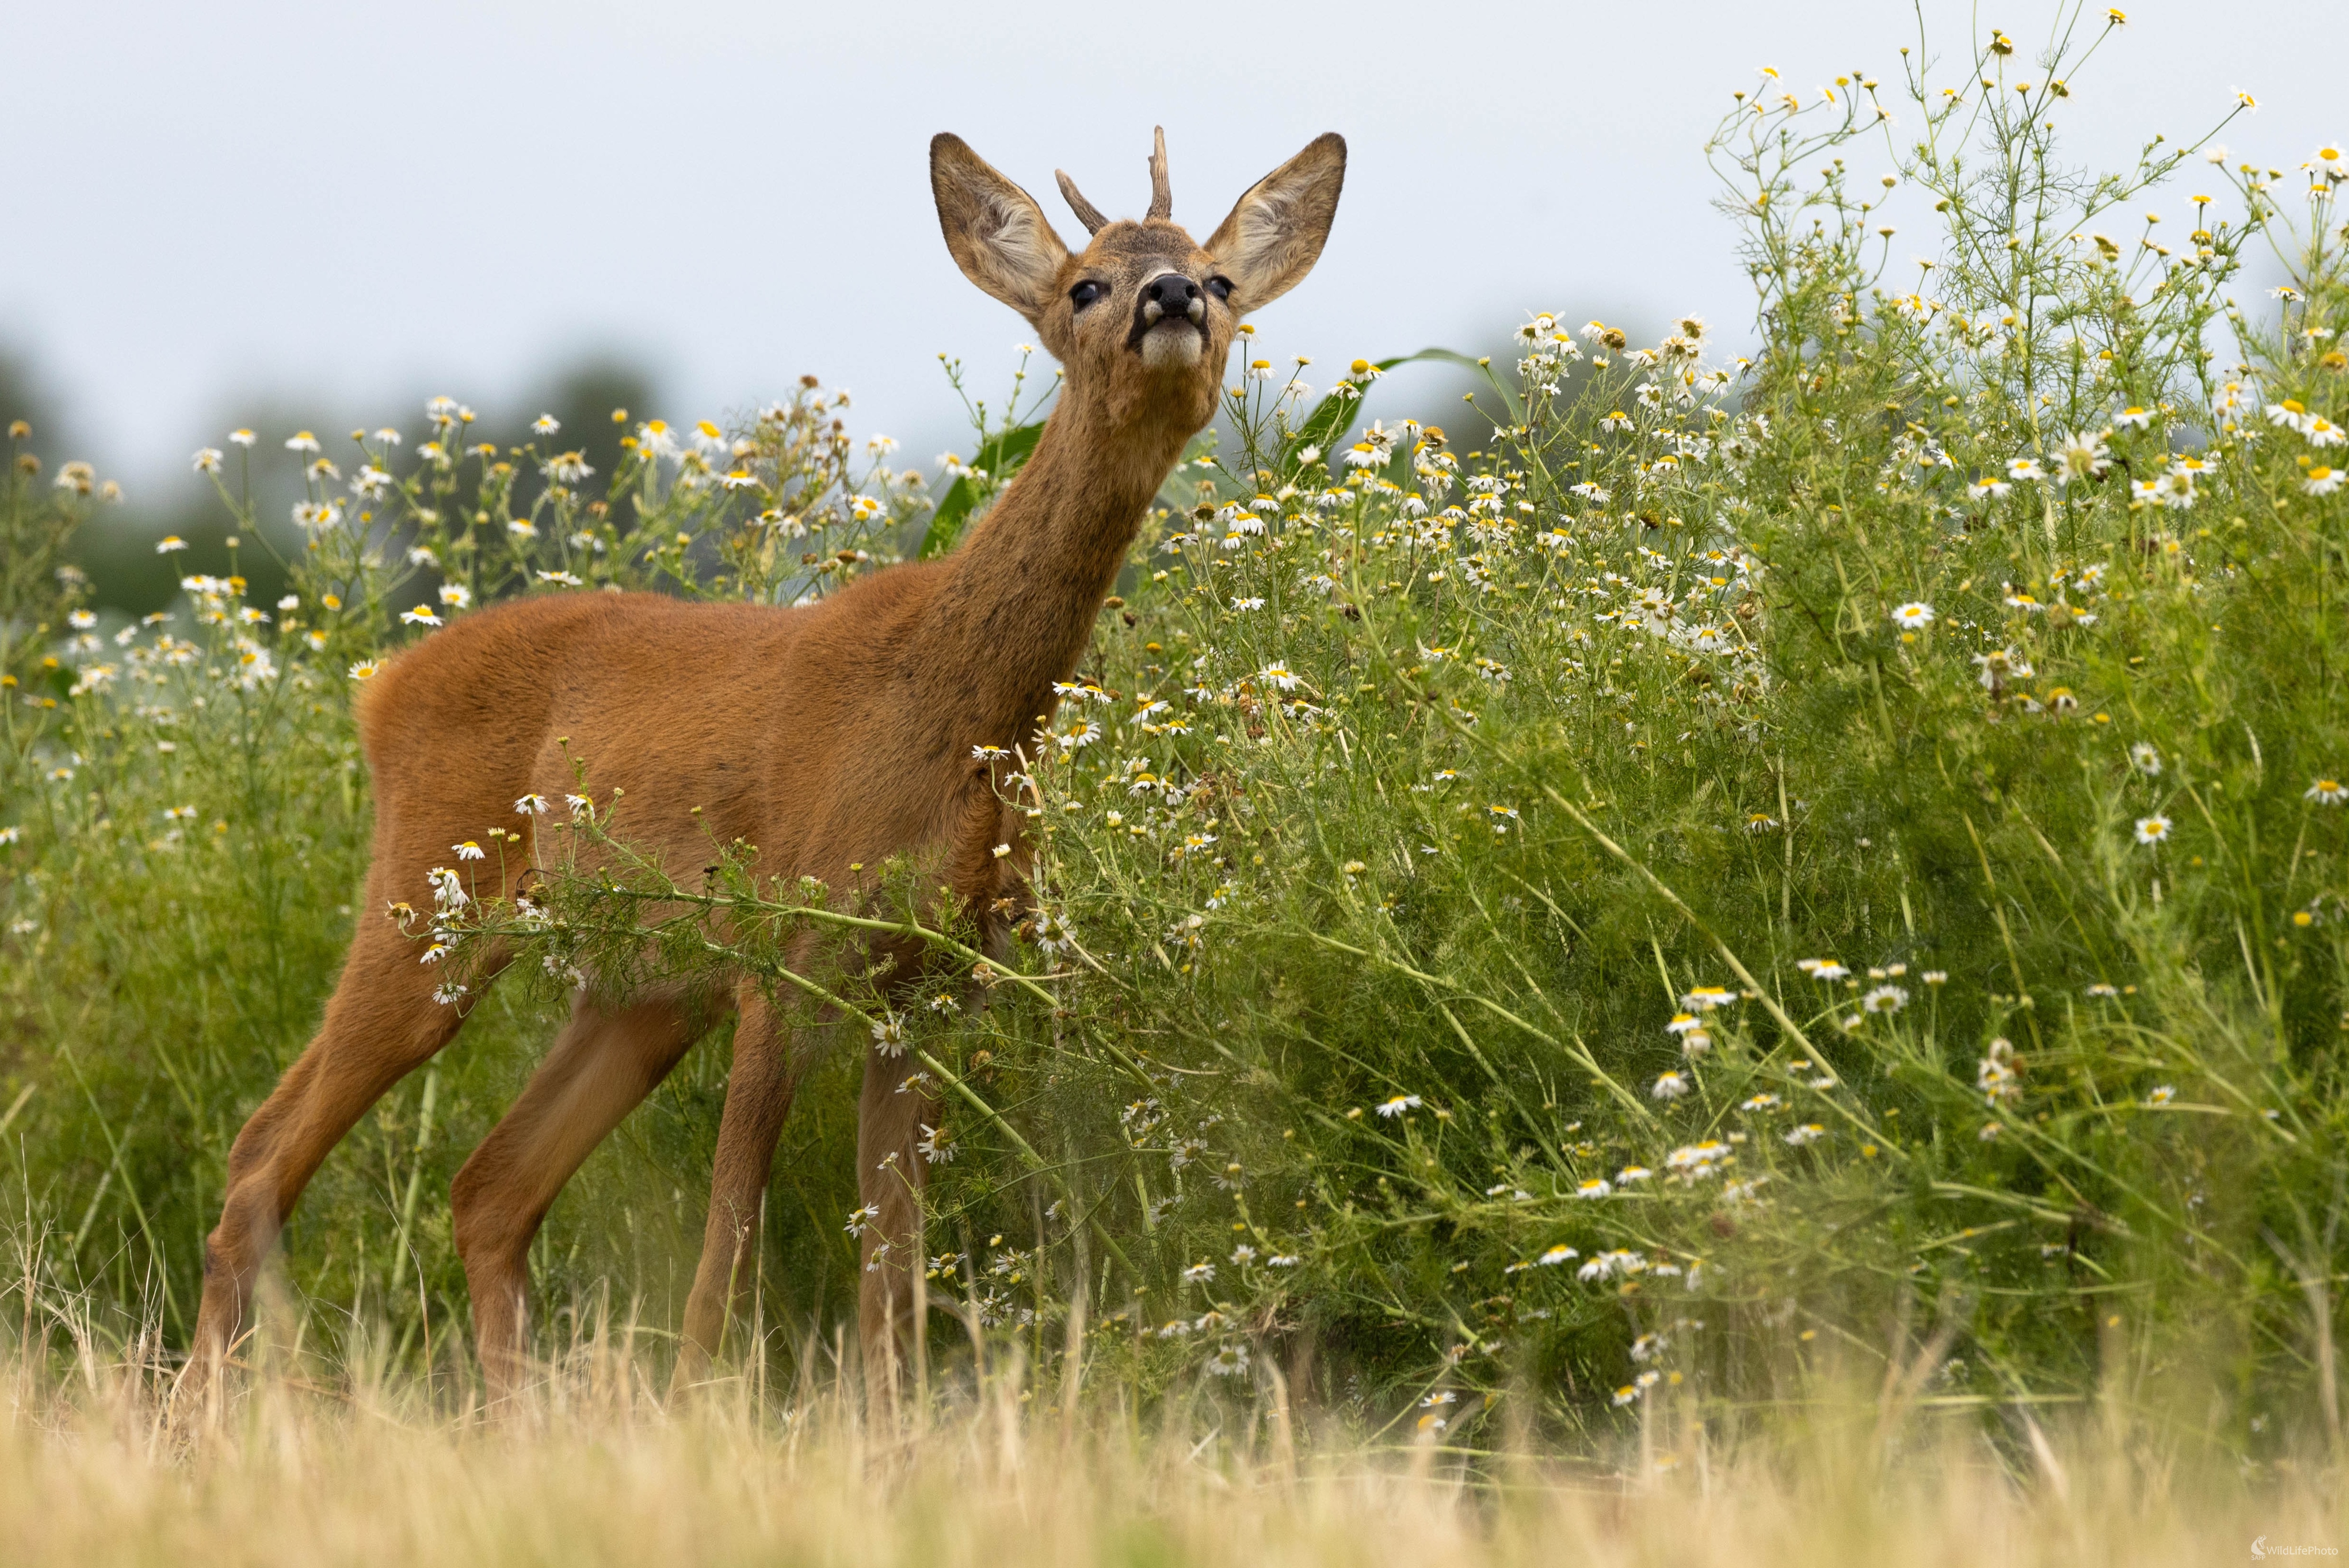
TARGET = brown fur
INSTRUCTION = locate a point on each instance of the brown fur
(831, 735)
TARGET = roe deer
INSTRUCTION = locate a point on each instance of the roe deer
(835, 734)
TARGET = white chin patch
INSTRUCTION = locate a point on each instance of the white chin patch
(1171, 344)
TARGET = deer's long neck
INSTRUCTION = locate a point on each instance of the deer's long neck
(1022, 593)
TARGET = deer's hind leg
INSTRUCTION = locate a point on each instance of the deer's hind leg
(601, 1067)
(380, 1025)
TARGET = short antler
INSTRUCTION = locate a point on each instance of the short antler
(1162, 199)
(1087, 213)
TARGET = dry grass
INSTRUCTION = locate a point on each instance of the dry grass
(289, 1470)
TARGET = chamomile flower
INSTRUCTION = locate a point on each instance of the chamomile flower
(2173, 489)
(2000, 666)
(2152, 829)
(1913, 616)
(1697, 1160)
(1390, 1108)
(2322, 480)
(2328, 792)
(1669, 1086)
(2145, 758)
(567, 467)
(2080, 457)
(2288, 415)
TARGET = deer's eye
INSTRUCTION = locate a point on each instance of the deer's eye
(1220, 287)
(1084, 294)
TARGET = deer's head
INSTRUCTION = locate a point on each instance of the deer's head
(1143, 316)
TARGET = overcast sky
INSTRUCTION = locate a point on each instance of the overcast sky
(349, 207)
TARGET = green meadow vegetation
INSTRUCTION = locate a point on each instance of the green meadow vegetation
(1595, 921)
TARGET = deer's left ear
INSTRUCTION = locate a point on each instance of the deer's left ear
(996, 231)
(1275, 233)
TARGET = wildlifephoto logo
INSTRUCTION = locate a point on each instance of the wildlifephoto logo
(2260, 1551)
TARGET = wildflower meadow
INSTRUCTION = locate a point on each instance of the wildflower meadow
(1729, 872)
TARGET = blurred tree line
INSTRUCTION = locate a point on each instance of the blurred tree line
(118, 549)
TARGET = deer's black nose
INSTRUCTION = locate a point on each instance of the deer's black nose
(1171, 293)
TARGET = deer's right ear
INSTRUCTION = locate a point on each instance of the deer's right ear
(996, 231)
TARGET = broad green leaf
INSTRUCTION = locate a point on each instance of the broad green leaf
(1000, 456)
(1332, 415)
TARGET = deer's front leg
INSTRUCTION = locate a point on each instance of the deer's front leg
(895, 1116)
(758, 1100)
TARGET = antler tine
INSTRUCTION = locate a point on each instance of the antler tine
(1087, 213)
(1162, 199)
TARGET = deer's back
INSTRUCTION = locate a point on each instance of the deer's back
(782, 724)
